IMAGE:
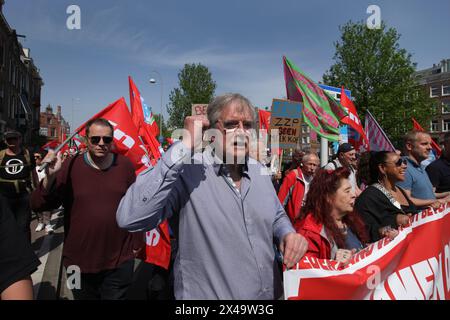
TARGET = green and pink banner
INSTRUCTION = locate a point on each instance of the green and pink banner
(320, 111)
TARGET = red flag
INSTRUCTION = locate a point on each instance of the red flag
(141, 113)
(50, 145)
(143, 120)
(434, 145)
(157, 250)
(156, 253)
(352, 120)
(126, 140)
(264, 119)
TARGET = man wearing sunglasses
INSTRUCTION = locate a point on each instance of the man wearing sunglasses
(224, 210)
(90, 187)
(417, 185)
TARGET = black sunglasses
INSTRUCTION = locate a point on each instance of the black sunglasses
(96, 139)
(399, 162)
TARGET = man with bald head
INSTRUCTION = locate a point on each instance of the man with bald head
(417, 185)
(295, 186)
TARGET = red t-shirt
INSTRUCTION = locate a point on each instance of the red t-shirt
(93, 240)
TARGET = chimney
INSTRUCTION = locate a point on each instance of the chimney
(58, 112)
(2, 2)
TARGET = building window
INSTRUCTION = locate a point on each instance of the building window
(446, 107)
(434, 126)
(305, 129)
(446, 125)
(446, 90)
(305, 140)
(434, 92)
(53, 132)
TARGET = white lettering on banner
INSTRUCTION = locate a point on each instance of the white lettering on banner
(127, 140)
(403, 284)
(422, 278)
(119, 134)
(153, 237)
(438, 292)
(425, 278)
(354, 118)
(380, 293)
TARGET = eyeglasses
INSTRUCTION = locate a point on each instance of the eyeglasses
(399, 162)
(96, 139)
(232, 125)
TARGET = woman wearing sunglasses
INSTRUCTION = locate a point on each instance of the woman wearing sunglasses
(384, 205)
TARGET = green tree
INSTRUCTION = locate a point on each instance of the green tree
(380, 75)
(195, 86)
(165, 131)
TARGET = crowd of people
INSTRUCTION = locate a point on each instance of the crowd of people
(235, 228)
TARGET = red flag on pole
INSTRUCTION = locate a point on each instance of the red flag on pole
(158, 246)
(264, 119)
(50, 145)
(147, 127)
(434, 145)
(352, 120)
(140, 112)
(126, 138)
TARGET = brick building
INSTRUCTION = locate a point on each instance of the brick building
(53, 126)
(20, 84)
(436, 81)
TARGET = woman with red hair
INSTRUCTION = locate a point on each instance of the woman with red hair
(328, 221)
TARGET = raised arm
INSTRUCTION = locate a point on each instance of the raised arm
(154, 196)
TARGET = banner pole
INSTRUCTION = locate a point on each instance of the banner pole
(42, 168)
(323, 151)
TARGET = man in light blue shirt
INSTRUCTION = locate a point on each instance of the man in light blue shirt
(417, 184)
(228, 213)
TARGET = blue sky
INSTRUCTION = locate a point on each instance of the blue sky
(242, 43)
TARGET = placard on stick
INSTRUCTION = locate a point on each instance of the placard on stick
(287, 118)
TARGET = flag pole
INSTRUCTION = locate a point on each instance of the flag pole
(42, 168)
(323, 151)
(145, 148)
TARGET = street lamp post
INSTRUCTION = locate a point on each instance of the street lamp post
(153, 81)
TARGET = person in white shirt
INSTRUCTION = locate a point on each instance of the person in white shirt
(45, 216)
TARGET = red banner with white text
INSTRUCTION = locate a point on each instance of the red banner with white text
(414, 265)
